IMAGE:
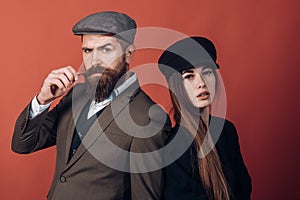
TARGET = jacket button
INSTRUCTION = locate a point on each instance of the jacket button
(62, 179)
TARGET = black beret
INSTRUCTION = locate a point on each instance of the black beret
(187, 53)
(107, 22)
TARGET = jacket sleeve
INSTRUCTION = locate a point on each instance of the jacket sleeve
(31, 135)
(244, 185)
(149, 184)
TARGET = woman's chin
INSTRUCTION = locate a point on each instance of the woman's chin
(202, 103)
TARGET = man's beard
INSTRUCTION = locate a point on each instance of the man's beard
(100, 87)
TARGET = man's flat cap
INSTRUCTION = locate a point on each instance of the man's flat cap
(107, 22)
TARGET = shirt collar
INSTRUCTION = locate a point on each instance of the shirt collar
(126, 84)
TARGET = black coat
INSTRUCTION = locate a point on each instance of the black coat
(182, 176)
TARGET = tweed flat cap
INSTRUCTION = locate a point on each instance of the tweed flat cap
(107, 22)
(187, 53)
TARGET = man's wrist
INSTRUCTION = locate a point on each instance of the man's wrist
(41, 101)
(36, 108)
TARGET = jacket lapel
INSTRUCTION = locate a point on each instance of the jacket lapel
(103, 121)
(79, 100)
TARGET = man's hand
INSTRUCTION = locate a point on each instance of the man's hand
(56, 84)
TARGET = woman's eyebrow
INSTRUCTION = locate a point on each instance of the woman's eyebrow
(187, 71)
(206, 67)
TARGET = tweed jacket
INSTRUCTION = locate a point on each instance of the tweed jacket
(100, 169)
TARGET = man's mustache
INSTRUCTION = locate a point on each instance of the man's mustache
(94, 69)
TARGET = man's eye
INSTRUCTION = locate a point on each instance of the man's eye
(106, 50)
(87, 50)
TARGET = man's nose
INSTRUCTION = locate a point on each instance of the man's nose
(96, 58)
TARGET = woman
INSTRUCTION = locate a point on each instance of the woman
(212, 166)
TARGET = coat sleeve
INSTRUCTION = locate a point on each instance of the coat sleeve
(31, 135)
(149, 184)
(244, 185)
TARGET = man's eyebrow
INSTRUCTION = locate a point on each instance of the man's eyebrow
(85, 48)
(101, 47)
(105, 45)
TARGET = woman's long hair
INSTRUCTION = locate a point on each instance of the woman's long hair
(196, 122)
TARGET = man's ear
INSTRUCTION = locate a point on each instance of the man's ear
(129, 53)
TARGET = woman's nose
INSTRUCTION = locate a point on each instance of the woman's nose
(200, 81)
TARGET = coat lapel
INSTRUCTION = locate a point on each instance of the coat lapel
(103, 121)
(79, 100)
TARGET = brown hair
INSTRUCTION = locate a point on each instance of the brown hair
(196, 122)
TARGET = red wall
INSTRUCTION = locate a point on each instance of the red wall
(258, 46)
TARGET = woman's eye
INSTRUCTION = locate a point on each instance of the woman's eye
(189, 77)
(207, 73)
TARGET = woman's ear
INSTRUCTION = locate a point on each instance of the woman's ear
(129, 53)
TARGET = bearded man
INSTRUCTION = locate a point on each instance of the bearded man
(105, 129)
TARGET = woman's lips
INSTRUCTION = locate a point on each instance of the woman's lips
(203, 95)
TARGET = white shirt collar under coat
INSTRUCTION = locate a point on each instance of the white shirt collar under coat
(95, 107)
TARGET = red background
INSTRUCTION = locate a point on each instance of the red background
(258, 46)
